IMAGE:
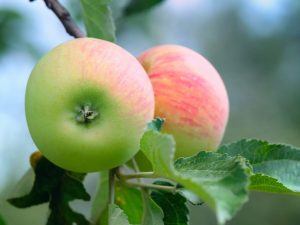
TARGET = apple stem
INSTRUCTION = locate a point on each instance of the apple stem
(135, 165)
(137, 175)
(111, 181)
(136, 168)
(171, 189)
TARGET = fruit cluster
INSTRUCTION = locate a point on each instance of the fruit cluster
(88, 102)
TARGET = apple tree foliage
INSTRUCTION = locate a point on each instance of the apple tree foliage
(1, 221)
(221, 179)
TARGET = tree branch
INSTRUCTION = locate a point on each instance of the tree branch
(171, 189)
(65, 18)
(138, 175)
(111, 184)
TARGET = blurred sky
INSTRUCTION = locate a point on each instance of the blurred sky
(15, 143)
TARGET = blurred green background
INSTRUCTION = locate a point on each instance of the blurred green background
(254, 44)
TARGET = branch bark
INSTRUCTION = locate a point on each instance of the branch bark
(64, 16)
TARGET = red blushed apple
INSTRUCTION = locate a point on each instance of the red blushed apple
(87, 104)
(190, 95)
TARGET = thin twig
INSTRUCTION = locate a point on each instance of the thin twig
(137, 175)
(136, 168)
(171, 189)
(111, 183)
(135, 165)
(64, 16)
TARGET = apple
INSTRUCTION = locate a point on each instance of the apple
(190, 95)
(87, 104)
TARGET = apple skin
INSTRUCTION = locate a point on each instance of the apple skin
(190, 95)
(91, 74)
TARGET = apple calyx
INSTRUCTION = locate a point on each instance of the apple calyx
(86, 114)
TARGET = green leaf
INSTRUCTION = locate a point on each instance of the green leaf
(138, 6)
(98, 19)
(13, 25)
(2, 221)
(137, 205)
(101, 198)
(280, 162)
(152, 212)
(160, 150)
(173, 205)
(190, 196)
(58, 187)
(156, 124)
(260, 182)
(10, 23)
(130, 201)
(24, 185)
(220, 180)
(117, 216)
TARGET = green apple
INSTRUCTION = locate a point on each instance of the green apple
(190, 95)
(87, 104)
